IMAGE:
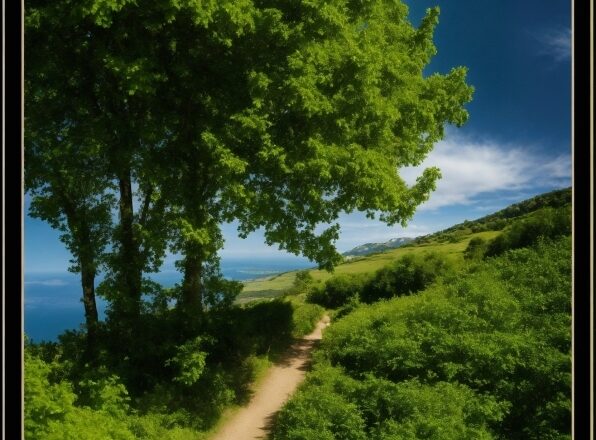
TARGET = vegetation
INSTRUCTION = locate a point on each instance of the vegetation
(279, 284)
(181, 390)
(458, 346)
(182, 116)
(544, 223)
(484, 354)
(500, 219)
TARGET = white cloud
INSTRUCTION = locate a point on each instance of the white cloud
(555, 43)
(472, 168)
(479, 176)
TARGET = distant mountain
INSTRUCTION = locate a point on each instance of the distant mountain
(373, 248)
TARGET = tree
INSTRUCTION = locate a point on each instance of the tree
(70, 191)
(280, 115)
(81, 72)
(294, 113)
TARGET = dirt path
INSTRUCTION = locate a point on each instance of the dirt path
(254, 420)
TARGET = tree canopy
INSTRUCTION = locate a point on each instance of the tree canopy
(280, 115)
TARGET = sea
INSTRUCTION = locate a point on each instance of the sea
(52, 300)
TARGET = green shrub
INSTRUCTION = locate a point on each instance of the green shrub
(338, 290)
(484, 355)
(546, 223)
(476, 249)
(50, 411)
(303, 281)
(313, 414)
(305, 318)
(381, 409)
(189, 360)
(412, 410)
(410, 274)
(347, 308)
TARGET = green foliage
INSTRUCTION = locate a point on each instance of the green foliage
(313, 414)
(279, 116)
(106, 394)
(545, 223)
(352, 304)
(337, 290)
(219, 292)
(303, 278)
(305, 317)
(50, 412)
(485, 354)
(440, 410)
(303, 282)
(381, 409)
(44, 402)
(476, 249)
(500, 219)
(190, 361)
(409, 274)
(303, 113)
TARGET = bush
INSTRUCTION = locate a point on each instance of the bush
(547, 223)
(502, 331)
(305, 318)
(50, 411)
(476, 249)
(486, 355)
(337, 291)
(347, 308)
(442, 410)
(409, 274)
(303, 281)
(313, 414)
(375, 408)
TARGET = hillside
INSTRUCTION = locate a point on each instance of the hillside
(463, 356)
(451, 241)
(446, 344)
(498, 220)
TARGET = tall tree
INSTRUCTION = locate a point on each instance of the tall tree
(96, 71)
(69, 190)
(293, 112)
(279, 114)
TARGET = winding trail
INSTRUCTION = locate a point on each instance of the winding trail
(282, 379)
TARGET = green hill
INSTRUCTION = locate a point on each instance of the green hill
(452, 242)
(498, 220)
(464, 336)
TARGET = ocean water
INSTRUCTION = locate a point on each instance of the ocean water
(52, 301)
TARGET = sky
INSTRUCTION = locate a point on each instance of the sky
(516, 143)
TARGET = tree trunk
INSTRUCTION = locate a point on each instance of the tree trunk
(77, 219)
(192, 298)
(91, 319)
(130, 270)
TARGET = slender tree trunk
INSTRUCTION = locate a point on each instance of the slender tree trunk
(78, 224)
(130, 269)
(192, 298)
(91, 319)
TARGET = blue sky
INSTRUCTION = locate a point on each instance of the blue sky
(516, 144)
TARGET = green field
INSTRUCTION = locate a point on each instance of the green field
(276, 285)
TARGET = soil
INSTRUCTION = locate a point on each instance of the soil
(254, 420)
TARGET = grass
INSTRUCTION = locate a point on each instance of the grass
(276, 285)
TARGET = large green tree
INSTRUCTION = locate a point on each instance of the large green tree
(86, 70)
(280, 115)
(69, 190)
